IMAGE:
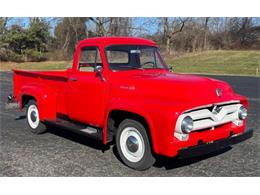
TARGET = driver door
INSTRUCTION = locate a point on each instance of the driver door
(86, 89)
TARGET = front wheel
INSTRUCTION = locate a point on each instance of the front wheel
(133, 145)
(33, 119)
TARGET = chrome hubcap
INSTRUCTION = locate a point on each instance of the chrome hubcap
(132, 144)
(33, 116)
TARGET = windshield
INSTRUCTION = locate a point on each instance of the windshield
(128, 57)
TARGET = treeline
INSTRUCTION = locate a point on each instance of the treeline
(24, 44)
(55, 38)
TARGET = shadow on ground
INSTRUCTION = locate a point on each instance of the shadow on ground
(77, 137)
(172, 163)
(167, 163)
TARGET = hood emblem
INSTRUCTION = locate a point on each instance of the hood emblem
(219, 92)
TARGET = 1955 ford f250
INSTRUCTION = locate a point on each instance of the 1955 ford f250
(119, 90)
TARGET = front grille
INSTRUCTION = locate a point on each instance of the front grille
(212, 116)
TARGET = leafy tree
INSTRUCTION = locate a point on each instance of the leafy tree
(16, 39)
(20, 44)
(38, 35)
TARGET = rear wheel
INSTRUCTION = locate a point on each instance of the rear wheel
(33, 119)
(133, 145)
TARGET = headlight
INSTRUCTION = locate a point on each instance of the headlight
(187, 124)
(242, 113)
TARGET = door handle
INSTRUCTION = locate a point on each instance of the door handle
(73, 79)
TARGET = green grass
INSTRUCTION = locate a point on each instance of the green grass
(210, 62)
(218, 62)
(48, 65)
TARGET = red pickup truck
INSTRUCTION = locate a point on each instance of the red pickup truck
(119, 90)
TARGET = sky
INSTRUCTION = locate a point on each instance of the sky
(148, 23)
(137, 22)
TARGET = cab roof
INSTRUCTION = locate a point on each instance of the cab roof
(116, 41)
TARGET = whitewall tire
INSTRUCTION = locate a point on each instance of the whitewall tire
(33, 119)
(133, 145)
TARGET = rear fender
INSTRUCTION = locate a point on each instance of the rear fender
(46, 100)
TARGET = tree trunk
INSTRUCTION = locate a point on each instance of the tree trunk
(205, 33)
(99, 27)
(168, 45)
(165, 30)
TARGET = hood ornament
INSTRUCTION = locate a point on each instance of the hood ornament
(216, 109)
(219, 92)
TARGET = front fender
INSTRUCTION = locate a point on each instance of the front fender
(158, 119)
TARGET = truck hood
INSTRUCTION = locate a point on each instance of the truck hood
(171, 86)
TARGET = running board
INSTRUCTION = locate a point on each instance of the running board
(89, 131)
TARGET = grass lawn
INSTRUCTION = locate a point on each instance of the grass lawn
(218, 62)
(211, 62)
(48, 65)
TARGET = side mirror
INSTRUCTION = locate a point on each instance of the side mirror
(99, 70)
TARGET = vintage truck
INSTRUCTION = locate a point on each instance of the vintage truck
(120, 91)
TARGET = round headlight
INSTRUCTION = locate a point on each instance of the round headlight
(187, 124)
(242, 113)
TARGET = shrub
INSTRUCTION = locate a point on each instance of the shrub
(34, 56)
(14, 57)
(4, 54)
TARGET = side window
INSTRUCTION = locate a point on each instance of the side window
(89, 58)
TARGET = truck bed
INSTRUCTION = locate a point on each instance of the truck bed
(56, 80)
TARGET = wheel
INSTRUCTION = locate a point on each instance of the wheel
(33, 119)
(133, 145)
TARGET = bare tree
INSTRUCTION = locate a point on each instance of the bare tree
(142, 26)
(119, 27)
(100, 25)
(171, 29)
